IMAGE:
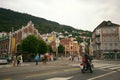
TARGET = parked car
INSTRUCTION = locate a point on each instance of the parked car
(3, 61)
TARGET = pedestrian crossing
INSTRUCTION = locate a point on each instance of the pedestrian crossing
(107, 66)
(103, 66)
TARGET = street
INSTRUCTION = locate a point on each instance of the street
(61, 70)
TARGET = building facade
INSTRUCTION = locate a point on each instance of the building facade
(9, 43)
(106, 40)
(71, 46)
(4, 45)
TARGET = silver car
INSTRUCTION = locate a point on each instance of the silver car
(3, 61)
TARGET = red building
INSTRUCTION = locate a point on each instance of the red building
(11, 42)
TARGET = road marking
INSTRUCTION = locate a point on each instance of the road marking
(71, 69)
(108, 66)
(115, 68)
(35, 75)
(7, 79)
(67, 78)
(102, 75)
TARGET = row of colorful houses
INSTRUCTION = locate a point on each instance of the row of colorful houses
(10, 41)
(104, 43)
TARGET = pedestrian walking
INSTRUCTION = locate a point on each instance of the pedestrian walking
(45, 59)
(21, 59)
(18, 60)
(14, 61)
(37, 59)
(62, 57)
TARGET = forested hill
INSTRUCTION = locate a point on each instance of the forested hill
(9, 19)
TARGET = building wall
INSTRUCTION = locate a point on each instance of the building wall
(4, 45)
(71, 47)
(106, 39)
(19, 35)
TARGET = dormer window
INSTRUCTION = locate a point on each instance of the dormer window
(109, 23)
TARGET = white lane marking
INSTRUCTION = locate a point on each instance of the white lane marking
(102, 65)
(115, 68)
(108, 66)
(59, 78)
(102, 75)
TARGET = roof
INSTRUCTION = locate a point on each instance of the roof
(106, 24)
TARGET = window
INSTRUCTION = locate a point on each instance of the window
(115, 45)
(105, 46)
(110, 46)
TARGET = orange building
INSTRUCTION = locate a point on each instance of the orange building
(71, 47)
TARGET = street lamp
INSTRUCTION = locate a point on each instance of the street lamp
(57, 44)
(115, 50)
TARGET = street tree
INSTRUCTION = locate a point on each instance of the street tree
(61, 49)
(42, 47)
(50, 49)
(30, 44)
(29, 47)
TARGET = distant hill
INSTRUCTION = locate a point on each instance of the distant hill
(9, 19)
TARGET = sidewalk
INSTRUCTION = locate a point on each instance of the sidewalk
(11, 65)
(33, 63)
(65, 61)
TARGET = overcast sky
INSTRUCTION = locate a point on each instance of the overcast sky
(80, 14)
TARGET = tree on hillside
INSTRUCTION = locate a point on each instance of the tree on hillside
(79, 39)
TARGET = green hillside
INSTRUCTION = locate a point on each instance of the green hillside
(9, 19)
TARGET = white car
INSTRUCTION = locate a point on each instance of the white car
(3, 61)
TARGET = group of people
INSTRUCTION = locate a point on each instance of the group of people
(17, 60)
(45, 58)
(74, 58)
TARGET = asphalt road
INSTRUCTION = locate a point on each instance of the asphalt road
(61, 70)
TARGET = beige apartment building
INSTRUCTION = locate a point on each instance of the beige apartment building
(106, 40)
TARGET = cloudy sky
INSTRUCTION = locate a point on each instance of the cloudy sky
(80, 14)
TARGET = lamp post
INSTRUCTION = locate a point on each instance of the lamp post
(10, 43)
(115, 50)
(57, 44)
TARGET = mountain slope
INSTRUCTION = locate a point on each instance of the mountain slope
(9, 19)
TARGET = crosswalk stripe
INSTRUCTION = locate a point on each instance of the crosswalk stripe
(115, 68)
(108, 66)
